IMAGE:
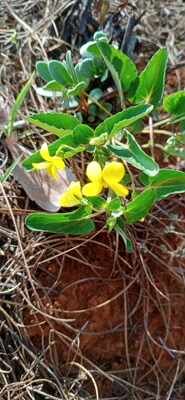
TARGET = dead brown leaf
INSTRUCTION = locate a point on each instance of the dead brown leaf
(39, 186)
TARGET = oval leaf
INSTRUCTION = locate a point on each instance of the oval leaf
(42, 68)
(152, 80)
(51, 89)
(134, 155)
(175, 146)
(175, 103)
(59, 73)
(74, 223)
(168, 182)
(85, 69)
(121, 229)
(120, 65)
(113, 125)
(53, 122)
(77, 89)
(140, 206)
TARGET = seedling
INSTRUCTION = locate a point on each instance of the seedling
(121, 180)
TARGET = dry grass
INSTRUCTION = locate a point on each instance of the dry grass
(30, 367)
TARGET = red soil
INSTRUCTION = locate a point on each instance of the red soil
(126, 311)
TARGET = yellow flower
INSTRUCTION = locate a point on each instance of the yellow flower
(51, 163)
(108, 177)
(73, 195)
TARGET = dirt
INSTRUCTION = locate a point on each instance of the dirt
(127, 312)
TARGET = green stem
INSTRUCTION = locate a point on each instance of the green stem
(151, 133)
(169, 120)
(98, 104)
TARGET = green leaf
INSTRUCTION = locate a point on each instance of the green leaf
(175, 103)
(167, 182)
(121, 229)
(100, 35)
(111, 222)
(51, 89)
(114, 124)
(128, 71)
(18, 103)
(132, 115)
(105, 50)
(175, 146)
(85, 69)
(57, 123)
(134, 155)
(83, 134)
(73, 223)
(53, 86)
(77, 90)
(42, 68)
(122, 64)
(9, 170)
(137, 127)
(140, 206)
(152, 80)
(96, 94)
(121, 67)
(97, 202)
(59, 73)
(70, 103)
(144, 179)
(114, 204)
(70, 66)
(90, 49)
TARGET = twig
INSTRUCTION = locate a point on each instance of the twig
(176, 66)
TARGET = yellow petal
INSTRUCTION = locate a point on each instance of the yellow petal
(44, 152)
(68, 200)
(119, 189)
(72, 196)
(58, 162)
(52, 171)
(75, 189)
(113, 172)
(41, 165)
(94, 171)
(92, 189)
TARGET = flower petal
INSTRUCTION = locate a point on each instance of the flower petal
(119, 189)
(94, 171)
(44, 152)
(75, 189)
(41, 165)
(68, 200)
(93, 188)
(58, 162)
(72, 196)
(113, 172)
(52, 171)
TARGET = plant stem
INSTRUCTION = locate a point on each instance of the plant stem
(151, 133)
(98, 104)
(169, 120)
(133, 187)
